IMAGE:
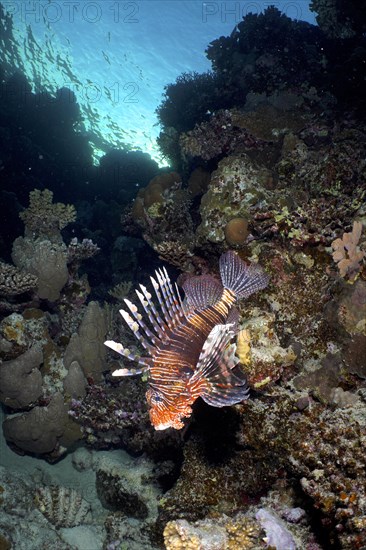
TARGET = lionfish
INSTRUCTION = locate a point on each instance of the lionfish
(188, 346)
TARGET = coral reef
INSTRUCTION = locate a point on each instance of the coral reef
(306, 444)
(267, 358)
(222, 134)
(128, 490)
(267, 156)
(42, 252)
(216, 482)
(238, 181)
(109, 417)
(21, 523)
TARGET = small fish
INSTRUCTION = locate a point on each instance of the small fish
(188, 346)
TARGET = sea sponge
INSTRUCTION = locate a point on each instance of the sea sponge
(236, 231)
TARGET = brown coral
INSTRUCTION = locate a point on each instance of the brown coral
(236, 231)
(45, 218)
(152, 196)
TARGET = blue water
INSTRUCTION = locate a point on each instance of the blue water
(117, 56)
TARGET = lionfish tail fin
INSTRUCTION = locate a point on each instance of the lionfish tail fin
(240, 278)
(214, 378)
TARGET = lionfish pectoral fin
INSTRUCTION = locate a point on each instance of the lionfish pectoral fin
(202, 291)
(215, 367)
(143, 362)
(128, 372)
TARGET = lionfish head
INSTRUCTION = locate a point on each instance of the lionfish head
(164, 415)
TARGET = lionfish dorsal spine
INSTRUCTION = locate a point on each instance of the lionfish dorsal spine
(174, 312)
(182, 308)
(171, 296)
(138, 318)
(134, 326)
(157, 287)
(151, 311)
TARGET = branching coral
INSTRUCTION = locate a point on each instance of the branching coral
(78, 251)
(347, 253)
(45, 218)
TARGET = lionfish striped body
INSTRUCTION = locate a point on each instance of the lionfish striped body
(188, 349)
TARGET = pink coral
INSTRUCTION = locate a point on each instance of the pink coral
(347, 253)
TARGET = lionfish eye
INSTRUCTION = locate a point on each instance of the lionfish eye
(155, 398)
(186, 371)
